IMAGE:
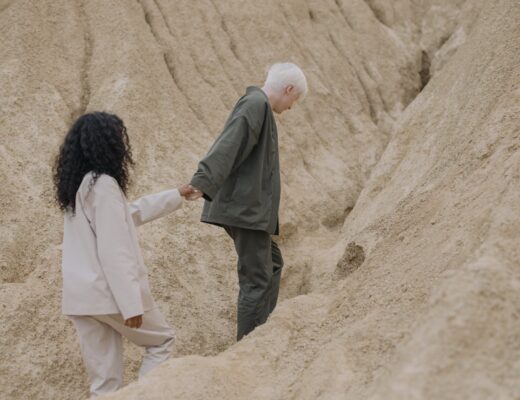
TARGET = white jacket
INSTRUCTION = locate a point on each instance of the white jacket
(103, 269)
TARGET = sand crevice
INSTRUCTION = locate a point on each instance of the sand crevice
(168, 54)
(87, 59)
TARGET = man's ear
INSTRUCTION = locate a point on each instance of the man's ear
(289, 89)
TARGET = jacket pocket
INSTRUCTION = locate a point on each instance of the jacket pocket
(229, 188)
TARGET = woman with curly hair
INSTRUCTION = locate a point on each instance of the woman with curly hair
(105, 282)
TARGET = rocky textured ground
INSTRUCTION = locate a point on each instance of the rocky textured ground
(400, 213)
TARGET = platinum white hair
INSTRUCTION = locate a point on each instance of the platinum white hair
(281, 75)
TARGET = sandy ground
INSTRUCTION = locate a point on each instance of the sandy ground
(400, 213)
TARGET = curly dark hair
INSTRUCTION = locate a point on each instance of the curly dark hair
(97, 142)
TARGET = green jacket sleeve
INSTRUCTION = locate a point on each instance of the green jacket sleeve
(237, 140)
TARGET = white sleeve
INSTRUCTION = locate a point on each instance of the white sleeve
(154, 206)
(115, 246)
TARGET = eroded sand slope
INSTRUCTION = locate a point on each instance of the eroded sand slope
(425, 182)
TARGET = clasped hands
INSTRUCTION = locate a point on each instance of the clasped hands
(190, 193)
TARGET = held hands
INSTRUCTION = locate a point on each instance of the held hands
(190, 193)
(134, 322)
(195, 194)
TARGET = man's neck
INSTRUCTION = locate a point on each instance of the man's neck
(271, 95)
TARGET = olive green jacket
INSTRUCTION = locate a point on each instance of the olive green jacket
(240, 175)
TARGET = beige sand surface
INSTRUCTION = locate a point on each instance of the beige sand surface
(400, 212)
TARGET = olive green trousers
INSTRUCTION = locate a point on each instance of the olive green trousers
(259, 268)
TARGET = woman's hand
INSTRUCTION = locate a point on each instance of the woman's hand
(189, 192)
(134, 322)
(185, 190)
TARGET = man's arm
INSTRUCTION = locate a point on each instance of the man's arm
(231, 148)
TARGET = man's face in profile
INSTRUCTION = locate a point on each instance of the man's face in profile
(287, 99)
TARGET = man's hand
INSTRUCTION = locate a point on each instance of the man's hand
(185, 190)
(194, 193)
(189, 192)
(134, 322)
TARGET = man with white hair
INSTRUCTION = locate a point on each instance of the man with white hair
(240, 180)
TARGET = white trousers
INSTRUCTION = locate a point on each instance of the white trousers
(100, 338)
